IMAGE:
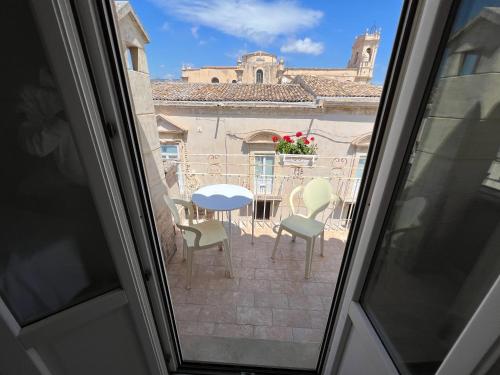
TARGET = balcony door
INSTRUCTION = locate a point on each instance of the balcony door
(423, 292)
(264, 174)
(72, 298)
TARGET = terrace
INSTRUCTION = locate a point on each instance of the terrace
(268, 301)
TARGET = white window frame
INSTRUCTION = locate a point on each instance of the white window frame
(268, 188)
(168, 155)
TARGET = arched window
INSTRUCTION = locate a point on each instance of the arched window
(259, 76)
(369, 52)
(234, 81)
(215, 80)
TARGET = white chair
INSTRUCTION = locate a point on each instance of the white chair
(199, 236)
(317, 196)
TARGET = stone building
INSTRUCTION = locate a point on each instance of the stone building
(264, 67)
(134, 37)
(214, 130)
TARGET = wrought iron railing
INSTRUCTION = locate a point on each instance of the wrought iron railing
(271, 179)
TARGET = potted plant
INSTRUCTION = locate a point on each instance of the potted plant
(296, 150)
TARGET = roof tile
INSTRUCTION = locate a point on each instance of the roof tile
(330, 87)
(230, 92)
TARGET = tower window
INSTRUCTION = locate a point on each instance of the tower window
(234, 81)
(215, 80)
(469, 63)
(259, 76)
(369, 52)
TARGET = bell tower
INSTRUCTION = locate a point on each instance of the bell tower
(364, 52)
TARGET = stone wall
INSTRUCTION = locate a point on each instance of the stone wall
(134, 39)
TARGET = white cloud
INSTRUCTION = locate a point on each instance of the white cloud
(305, 45)
(194, 31)
(260, 21)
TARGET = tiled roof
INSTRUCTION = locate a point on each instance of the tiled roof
(229, 92)
(330, 87)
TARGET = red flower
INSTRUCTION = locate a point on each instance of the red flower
(275, 138)
(289, 140)
(312, 138)
(286, 138)
(298, 134)
(306, 141)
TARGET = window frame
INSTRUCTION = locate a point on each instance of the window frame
(103, 17)
(168, 155)
(259, 72)
(475, 53)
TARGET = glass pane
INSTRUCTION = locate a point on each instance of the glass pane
(439, 254)
(53, 253)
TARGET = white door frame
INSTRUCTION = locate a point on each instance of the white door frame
(483, 330)
(134, 191)
(423, 45)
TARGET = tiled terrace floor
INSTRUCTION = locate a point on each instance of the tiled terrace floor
(266, 300)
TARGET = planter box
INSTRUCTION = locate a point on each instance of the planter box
(297, 160)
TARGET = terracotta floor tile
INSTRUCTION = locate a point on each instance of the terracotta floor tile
(292, 318)
(307, 335)
(218, 314)
(234, 298)
(195, 328)
(305, 302)
(319, 289)
(277, 300)
(273, 333)
(187, 312)
(269, 274)
(233, 330)
(255, 285)
(259, 316)
(267, 299)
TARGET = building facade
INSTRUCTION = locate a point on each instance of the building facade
(224, 134)
(264, 67)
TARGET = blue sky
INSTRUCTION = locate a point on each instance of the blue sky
(316, 33)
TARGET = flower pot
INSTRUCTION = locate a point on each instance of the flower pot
(297, 160)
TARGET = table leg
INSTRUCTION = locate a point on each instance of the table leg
(230, 229)
(253, 219)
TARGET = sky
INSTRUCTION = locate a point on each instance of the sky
(317, 33)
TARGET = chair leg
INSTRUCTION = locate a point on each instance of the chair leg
(278, 236)
(309, 256)
(189, 268)
(322, 243)
(294, 237)
(308, 251)
(227, 254)
(184, 250)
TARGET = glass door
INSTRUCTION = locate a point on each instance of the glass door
(264, 174)
(435, 258)
(71, 293)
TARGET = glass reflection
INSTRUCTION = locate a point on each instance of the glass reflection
(439, 254)
(53, 251)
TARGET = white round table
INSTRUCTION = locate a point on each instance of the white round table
(224, 197)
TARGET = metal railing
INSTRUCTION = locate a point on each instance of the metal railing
(271, 178)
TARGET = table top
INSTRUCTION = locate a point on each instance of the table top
(222, 197)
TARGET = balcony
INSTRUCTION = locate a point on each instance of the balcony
(271, 182)
(269, 302)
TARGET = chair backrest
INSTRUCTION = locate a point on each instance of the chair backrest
(173, 209)
(317, 196)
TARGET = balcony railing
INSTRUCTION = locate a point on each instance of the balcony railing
(271, 181)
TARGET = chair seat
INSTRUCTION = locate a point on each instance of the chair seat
(302, 226)
(212, 232)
